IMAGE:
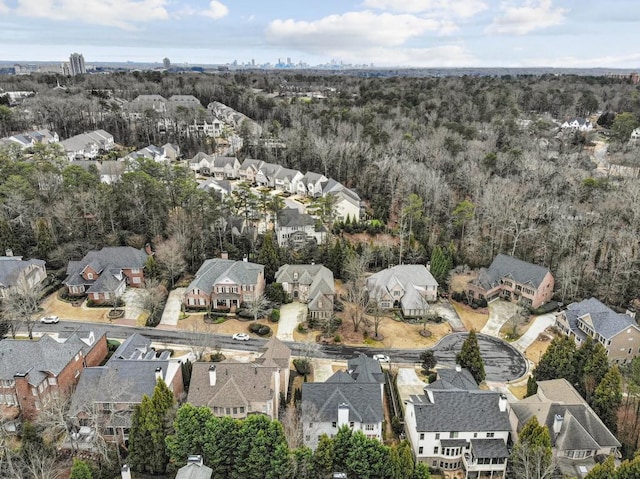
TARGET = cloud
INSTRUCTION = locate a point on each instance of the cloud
(118, 13)
(608, 61)
(446, 56)
(216, 10)
(3, 8)
(458, 8)
(531, 15)
(352, 30)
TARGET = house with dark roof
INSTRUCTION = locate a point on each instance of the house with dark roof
(407, 286)
(106, 396)
(351, 398)
(455, 426)
(618, 333)
(514, 280)
(311, 184)
(225, 167)
(311, 284)
(225, 284)
(103, 275)
(287, 179)
(266, 175)
(32, 371)
(296, 229)
(16, 272)
(577, 433)
(237, 389)
(249, 169)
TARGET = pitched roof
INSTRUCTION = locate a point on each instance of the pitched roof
(194, 471)
(276, 351)
(216, 270)
(454, 379)
(11, 268)
(291, 217)
(365, 370)
(110, 259)
(414, 279)
(604, 320)
(135, 346)
(489, 448)
(318, 278)
(510, 267)
(320, 401)
(222, 161)
(460, 410)
(251, 163)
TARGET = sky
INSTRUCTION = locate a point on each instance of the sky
(412, 33)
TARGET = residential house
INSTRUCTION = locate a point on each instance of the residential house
(249, 170)
(237, 389)
(111, 171)
(266, 176)
(406, 286)
(224, 283)
(182, 101)
(618, 333)
(31, 372)
(455, 426)
(32, 138)
(142, 103)
(202, 163)
(577, 433)
(171, 151)
(296, 229)
(350, 398)
(87, 145)
(513, 279)
(194, 469)
(211, 127)
(16, 272)
(103, 275)
(225, 167)
(578, 124)
(311, 184)
(106, 396)
(234, 118)
(150, 152)
(287, 180)
(347, 201)
(309, 283)
(222, 187)
(635, 135)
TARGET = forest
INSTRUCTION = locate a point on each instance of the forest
(476, 165)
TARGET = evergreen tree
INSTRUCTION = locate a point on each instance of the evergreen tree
(269, 256)
(531, 457)
(629, 469)
(607, 398)
(441, 263)
(302, 464)
(222, 445)
(428, 360)
(421, 471)
(188, 437)
(323, 457)
(80, 470)
(591, 364)
(604, 470)
(557, 361)
(469, 357)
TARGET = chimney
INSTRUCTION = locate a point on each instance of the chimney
(158, 374)
(557, 424)
(502, 403)
(224, 255)
(245, 258)
(195, 459)
(125, 472)
(428, 266)
(343, 414)
(147, 249)
(458, 368)
(629, 312)
(8, 252)
(212, 375)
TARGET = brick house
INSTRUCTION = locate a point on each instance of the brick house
(311, 284)
(224, 283)
(32, 371)
(618, 333)
(103, 275)
(515, 280)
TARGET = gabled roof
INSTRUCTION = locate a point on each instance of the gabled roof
(320, 401)
(290, 217)
(11, 268)
(454, 379)
(215, 270)
(194, 471)
(222, 161)
(110, 259)
(311, 177)
(504, 266)
(365, 370)
(286, 174)
(604, 320)
(276, 351)
(199, 157)
(251, 163)
(38, 358)
(134, 347)
(489, 448)
(413, 278)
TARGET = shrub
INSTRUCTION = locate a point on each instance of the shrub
(432, 377)
(303, 366)
(337, 338)
(275, 316)
(482, 303)
(301, 328)
(474, 305)
(260, 329)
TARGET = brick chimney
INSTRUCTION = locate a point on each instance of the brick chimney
(224, 255)
(125, 472)
(212, 375)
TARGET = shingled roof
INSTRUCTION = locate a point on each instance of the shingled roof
(291, 217)
(604, 320)
(504, 266)
(218, 270)
(320, 401)
(12, 266)
(276, 351)
(365, 370)
(454, 379)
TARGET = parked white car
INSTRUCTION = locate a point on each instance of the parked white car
(240, 337)
(381, 358)
(49, 319)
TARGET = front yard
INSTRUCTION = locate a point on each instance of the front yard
(195, 322)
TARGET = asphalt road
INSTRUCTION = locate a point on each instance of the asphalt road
(502, 361)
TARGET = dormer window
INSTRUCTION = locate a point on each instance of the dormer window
(89, 275)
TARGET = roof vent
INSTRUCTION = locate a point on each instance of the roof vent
(195, 459)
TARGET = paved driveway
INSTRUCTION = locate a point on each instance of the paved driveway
(290, 315)
(171, 312)
(133, 303)
(499, 313)
(539, 324)
(444, 309)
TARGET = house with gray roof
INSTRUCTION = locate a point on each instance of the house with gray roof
(618, 333)
(407, 286)
(514, 280)
(311, 184)
(201, 163)
(577, 433)
(103, 275)
(222, 283)
(222, 187)
(287, 179)
(225, 167)
(311, 284)
(31, 371)
(454, 426)
(266, 175)
(249, 169)
(16, 273)
(151, 152)
(347, 202)
(31, 138)
(350, 398)
(87, 145)
(295, 229)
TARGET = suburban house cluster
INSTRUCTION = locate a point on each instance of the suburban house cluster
(30, 139)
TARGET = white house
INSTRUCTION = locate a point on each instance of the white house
(266, 175)
(287, 180)
(635, 135)
(579, 124)
(15, 272)
(311, 184)
(249, 170)
(225, 167)
(202, 163)
(454, 426)
(295, 229)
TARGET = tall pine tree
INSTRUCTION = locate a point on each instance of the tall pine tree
(469, 357)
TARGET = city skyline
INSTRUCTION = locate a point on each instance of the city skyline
(413, 33)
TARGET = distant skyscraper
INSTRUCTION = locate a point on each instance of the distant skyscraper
(288, 60)
(167, 63)
(76, 64)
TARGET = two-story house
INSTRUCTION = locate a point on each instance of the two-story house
(225, 167)
(106, 396)
(103, 275)
(351, 398)
(287, 180)
(266, 175)
(236, 389)
(309, 283)
(618, 333)
(31, 372)
(577, 433)
(224, 283)
(202, 163)
(407, 286)
(347, 202)
(515, 280)
(454, 426)
(32, 138)
(87, 145)
(16, 272)
(151, 152)
(249, 170)
(311, 184)
(296, 229)
(578, 124)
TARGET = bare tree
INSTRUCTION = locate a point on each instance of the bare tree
(169, 256)
(258, 307)
(153, 297)
(292, 425)
(200, 342)
(20, 305)
(357, 296)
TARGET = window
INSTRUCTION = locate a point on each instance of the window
(334, 424)
(53, 381)
(437, 435)
(241, 409)
(227, 410)
(135, 271)
(435, 450)
(369, 427)
(89, 275)
(136, 280)
(421, 436)
(453, 435)
(235, 410)
(351, 424)
(475, 434)
(420, 450)
(491, 434)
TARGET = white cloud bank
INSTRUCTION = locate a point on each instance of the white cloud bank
(457, 8)
(530, 16)
(216, 10)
